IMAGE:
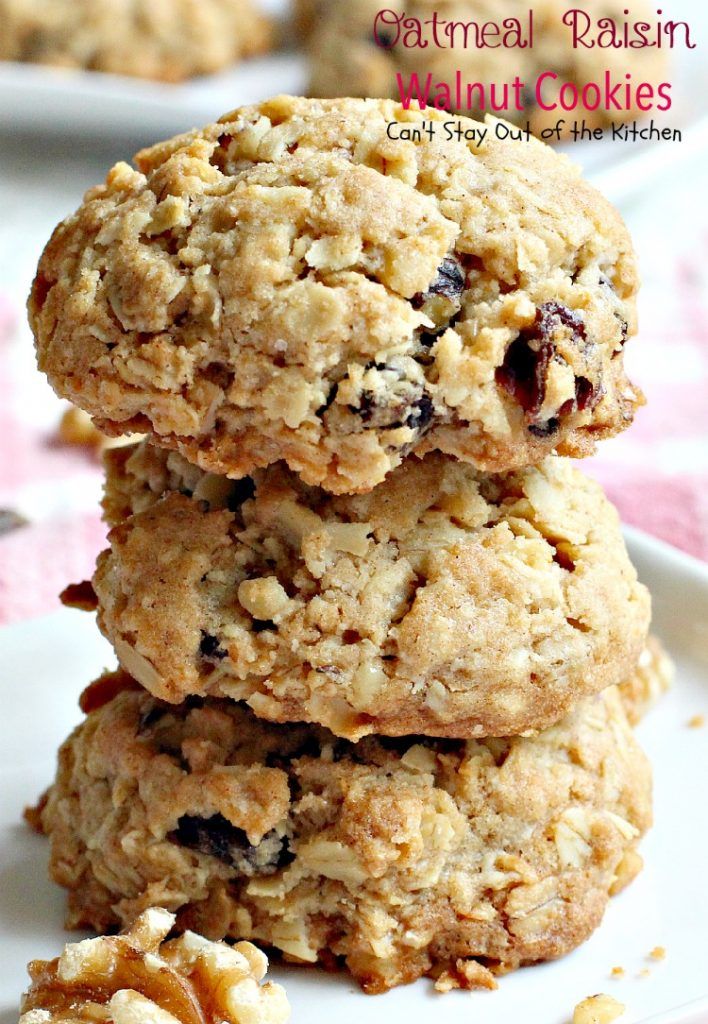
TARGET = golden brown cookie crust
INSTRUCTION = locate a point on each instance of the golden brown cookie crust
(445, 602)
(163, 39)
(291, 284)
(401, 857)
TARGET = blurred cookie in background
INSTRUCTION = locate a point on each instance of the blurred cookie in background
(170, 40)
(359, 47)
(305, 16)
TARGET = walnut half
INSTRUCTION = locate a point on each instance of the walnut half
(138, 978)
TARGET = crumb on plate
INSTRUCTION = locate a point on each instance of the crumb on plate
(598, 1009)
(468, 974)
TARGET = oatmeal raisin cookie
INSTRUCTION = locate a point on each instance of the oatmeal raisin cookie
(402, 857)
(291, 284)
(444, 602)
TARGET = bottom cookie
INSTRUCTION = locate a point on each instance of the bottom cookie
(400, 857)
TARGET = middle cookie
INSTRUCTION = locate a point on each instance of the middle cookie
(445, 602)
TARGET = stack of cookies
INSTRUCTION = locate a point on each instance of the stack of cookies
(380, 642)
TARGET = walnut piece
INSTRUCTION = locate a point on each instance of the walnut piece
(137, 976)
(599, 1009)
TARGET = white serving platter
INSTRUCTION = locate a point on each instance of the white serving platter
(45, 663)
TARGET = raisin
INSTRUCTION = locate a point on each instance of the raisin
(421, 413)
(428, 338)
(210, 648)
(79, 595)
(389, 399)
(525, 367)
(217, 837)
(367, 407)
(415, 414)
(584, 393)
(551, 313)
(546, 429)
(449, 283)
(563, 559)
(523, 373)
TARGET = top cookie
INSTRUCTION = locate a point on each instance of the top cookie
(291, 283)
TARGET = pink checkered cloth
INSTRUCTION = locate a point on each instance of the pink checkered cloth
(39, 479)
(656, 473)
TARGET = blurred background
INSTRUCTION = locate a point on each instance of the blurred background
(84, 83)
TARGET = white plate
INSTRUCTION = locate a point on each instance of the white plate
(66, 101)
(61, 101)
(44, 665)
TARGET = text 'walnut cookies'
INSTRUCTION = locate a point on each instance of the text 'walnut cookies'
(402, 857)
(291, 284)
(163, 39)
(444, 602)
(138, 978)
